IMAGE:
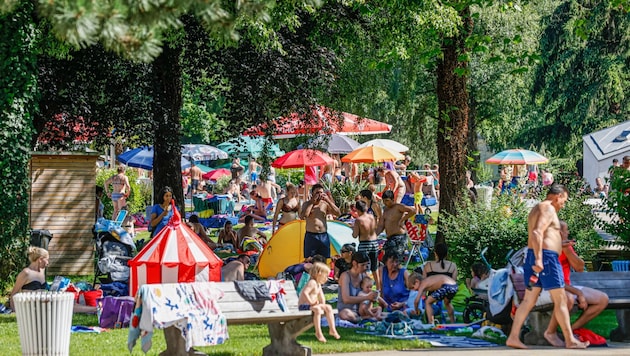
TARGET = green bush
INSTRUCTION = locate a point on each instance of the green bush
(345, 193)
(500, 228)
(139, 198)
(617, 207)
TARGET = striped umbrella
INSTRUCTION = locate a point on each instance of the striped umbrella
(517, 156)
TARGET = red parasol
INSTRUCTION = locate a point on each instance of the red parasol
(216, 174)
(302, 158)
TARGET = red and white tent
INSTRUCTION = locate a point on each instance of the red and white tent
(175, 254)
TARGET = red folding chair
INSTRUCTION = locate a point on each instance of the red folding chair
(417, 236)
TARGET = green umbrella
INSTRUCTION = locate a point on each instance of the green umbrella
(246, 146)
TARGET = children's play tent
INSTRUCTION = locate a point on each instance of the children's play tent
(175, 254)
(286, 246)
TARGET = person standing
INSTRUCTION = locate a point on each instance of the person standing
(289, 206)
(543, 270)
(195, 178)
(253, 167)
(161, 213)
(393, 182)
(120, 190)
(393, 223)
(314, 211)
(365, 230)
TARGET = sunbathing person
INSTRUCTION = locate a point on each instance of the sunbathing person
(249, 235)
(256, 210)
(33, 278)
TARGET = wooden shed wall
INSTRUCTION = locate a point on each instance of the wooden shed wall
(62, 200)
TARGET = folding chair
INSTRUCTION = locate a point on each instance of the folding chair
(417, 235)
(120, 218)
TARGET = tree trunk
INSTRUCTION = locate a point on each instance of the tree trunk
(452, 135)
(473, 141)
(166, 108)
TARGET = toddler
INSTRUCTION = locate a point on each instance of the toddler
(366, 309)
(440, 287)
(480, 274)
(312, 298)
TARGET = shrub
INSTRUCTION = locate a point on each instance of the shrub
(345, 193)
(617, 207)
(500, 228)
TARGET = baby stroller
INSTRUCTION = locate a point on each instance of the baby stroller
(492, 300)
(112, 252)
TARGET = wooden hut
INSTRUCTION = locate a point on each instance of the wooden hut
(62, 200)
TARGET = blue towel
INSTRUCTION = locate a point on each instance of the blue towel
(501, 291)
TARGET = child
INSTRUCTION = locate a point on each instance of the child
(417, 181)
(366, 310)
(480, 280)
(441, 287)
(413, 293)
(312, 298)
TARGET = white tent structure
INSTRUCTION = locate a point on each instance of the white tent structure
(601, 147)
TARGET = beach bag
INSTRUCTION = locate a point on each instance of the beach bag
(114, 312)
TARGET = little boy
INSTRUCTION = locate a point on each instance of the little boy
(441, 287)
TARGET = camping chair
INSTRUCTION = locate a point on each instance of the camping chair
(417, 235)
(122, 215)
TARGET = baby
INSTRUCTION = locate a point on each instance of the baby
(366, 309)
(441, 287)
(312, 298)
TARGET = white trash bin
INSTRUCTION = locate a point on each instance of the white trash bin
(44, 322)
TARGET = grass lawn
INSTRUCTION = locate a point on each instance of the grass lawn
(244, 339)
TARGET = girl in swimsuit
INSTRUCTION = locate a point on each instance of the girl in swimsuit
(289, 206)
(440, 265)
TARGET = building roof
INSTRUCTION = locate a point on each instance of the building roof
(611, 141)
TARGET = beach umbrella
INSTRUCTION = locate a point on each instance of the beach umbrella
(337, 144)
(302, 158)
(517, 156)
(246, 146)
(389, 144)
(321, 120)
(198, 152)
(372, 154)
(216, 174)
(142, 157)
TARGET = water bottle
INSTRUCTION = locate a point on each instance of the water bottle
(533, 279)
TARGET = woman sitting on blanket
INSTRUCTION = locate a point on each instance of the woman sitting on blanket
(349, 287)
(394, 282)
(256, 210)
(33, 278)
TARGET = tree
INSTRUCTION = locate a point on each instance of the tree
(18, 83)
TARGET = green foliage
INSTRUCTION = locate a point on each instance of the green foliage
(18, 98)
(139, 198)
(501, 228)
(294, 176)
(344, 194)
(617, 207)
(222, 184)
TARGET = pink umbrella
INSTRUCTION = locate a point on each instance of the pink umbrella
(216, 174)
(322, 120)
(302, 158)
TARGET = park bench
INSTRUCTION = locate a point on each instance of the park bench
(284, 326)
(615, 284)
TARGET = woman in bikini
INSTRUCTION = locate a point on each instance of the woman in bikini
(33, 278)
(120, 190)
(440, 265)
(289, 206)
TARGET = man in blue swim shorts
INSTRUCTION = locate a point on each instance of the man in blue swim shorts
(542, 270)
(314, 211)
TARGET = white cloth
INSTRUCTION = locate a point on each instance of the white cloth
(191, 307)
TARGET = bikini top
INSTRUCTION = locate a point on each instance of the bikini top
(446, 273)
(35, 285)
(287, 209)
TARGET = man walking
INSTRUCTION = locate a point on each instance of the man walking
(393, 222)
(542, 269)
(314, 211)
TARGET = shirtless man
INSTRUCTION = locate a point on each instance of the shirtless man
(365, 230)
(264, 190)
(235, 270)
(120, 190)
(543, 270)
(195, 178)
(393, 222)
(250, 231)
(314, 211)
(253, 170)
(394, 183)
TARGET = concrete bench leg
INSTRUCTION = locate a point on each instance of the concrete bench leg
(622, 332)
(283, 338)
(538, 322)
(176, 345)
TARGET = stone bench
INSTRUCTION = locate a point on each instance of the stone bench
(615, 284)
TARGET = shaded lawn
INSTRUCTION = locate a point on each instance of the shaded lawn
(244, 339)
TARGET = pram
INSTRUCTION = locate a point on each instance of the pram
(113, 249)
